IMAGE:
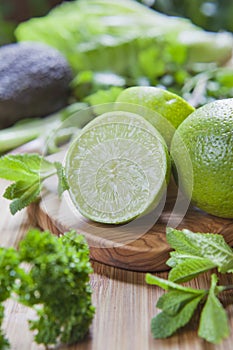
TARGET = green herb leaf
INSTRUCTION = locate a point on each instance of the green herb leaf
(196, 253)
(213, 323)
(178, 306)
(4, 344)
(174, 301)
(9, 262)
(164, 325)
(169, 285)
(188, 268)
(14, 169)
(57, 286)
(9, 268)
(34, 162)
(28, 171)
(27, 197)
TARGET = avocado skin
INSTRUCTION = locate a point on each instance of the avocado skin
(34, 81)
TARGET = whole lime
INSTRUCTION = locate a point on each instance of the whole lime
(171, 110)
(202, 151)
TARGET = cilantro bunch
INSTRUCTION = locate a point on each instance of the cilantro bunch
(56, 286)
(194, 253)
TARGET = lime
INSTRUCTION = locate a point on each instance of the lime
(207, 136)
(117, 168)
(171, 107)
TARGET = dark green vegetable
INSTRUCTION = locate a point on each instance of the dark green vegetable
(56, 287)
(34, 81)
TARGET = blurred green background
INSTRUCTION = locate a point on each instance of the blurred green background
(214, 15)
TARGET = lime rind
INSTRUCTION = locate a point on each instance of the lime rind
(206, 139)
(163, 109)
(117, 168)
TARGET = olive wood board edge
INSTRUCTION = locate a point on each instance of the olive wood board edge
(125, 246)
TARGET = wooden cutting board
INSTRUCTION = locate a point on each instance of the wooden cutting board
(140, 245)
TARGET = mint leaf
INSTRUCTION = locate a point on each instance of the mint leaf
(196, 253)
(178, 306)
(17, 189)
(164, 325)
(169, 285)
(13, 169)
(28, 196)
(28, 171)
(188, 268)
(173, 301)
(213, 323)
(34, 162)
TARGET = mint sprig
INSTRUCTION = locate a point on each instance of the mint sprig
(28, 171)
(196, 253)
(180, 303)
(178, 306)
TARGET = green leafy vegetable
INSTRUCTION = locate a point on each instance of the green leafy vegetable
(134, 27)
(56, 286)
(197, 252)
(122, 43)
(28, 171)
(179, 305)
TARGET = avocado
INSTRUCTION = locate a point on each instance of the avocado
(34, 81)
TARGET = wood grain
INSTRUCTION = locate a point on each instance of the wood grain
(140, 245)
(124, 305)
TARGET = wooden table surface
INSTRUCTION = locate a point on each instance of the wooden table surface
(124, 304)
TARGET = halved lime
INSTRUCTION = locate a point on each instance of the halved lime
(117, 168)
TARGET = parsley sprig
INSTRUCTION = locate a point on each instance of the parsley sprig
(27, 172)
(56, 286)
(193, 254)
